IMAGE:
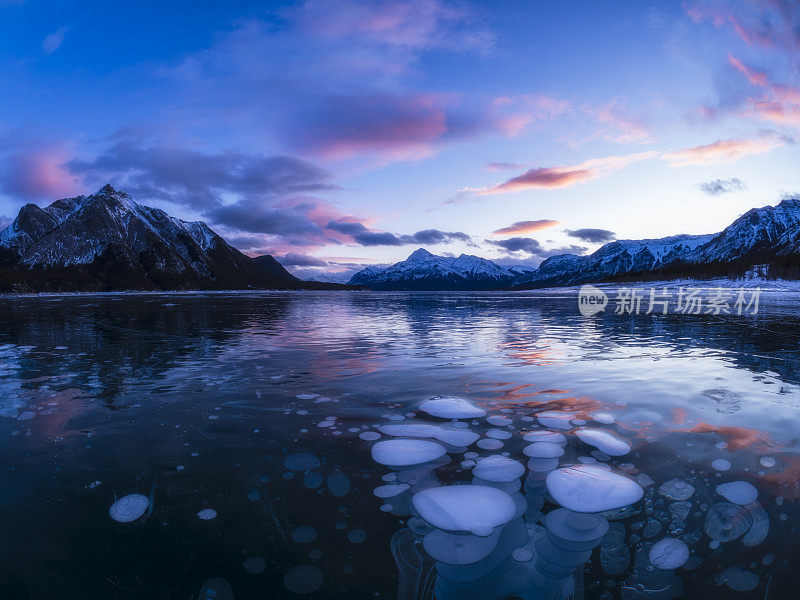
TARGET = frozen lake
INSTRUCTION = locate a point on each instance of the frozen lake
(246, 424)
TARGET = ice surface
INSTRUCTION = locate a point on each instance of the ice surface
(498, 468)
(402, 453)
(451, 407)
(255, 565)
(129, 508)
(738, 492)
(590, 489)
(472, 509)
(356, 536)
(458, 549)
(669, 553)
(303, 579)
(302, 461)
(738, 579)
(603, 440)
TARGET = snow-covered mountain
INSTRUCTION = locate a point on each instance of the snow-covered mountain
(768, 235)
(107, 241)
(425, 271)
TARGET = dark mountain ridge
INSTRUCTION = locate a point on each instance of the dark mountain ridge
(108, 242)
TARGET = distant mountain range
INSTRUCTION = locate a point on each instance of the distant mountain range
(767, 236)
(106, 241)
(425, 271)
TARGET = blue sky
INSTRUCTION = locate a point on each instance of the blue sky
(339, 134)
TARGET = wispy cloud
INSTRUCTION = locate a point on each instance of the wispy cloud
(725, 150)
(567, 176)
(365, 236)
(522, 227)
(53, 41)
(591, 235)
(717, 187)
(624, 126)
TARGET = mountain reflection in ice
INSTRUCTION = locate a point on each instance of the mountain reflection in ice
(395, 445)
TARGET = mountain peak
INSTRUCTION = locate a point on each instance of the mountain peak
(419, 253)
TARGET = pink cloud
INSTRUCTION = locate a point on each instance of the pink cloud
(626, 128)
(567, 176)
(40, 173)
(779, 103)
(723, 151)
(773, 24)
(514, 114)
(411, 24)
(522, 227)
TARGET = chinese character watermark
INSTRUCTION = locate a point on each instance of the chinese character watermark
(684, 300)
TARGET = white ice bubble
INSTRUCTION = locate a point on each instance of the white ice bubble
(544, 450)
(451, 407)
(556, 419)
(669, 553)
(306, 396)
(207, 514)
(551, 437)
(738, 492)
(402, 453)
(603, 417)
(129, 508)
(369, 436)
(522, 555)
(390, 491)
(767, 461)
(472, 509)
(454, 437)
(499, 469)
(490, 444)
(720, 464)
(590, 489)
(458, 549)
(499, 420)
(338, 483)
(605, 441)
(498, 434)
(676, 489)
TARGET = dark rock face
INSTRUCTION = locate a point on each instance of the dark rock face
(106, 242)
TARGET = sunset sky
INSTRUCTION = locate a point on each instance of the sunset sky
(335, 134)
